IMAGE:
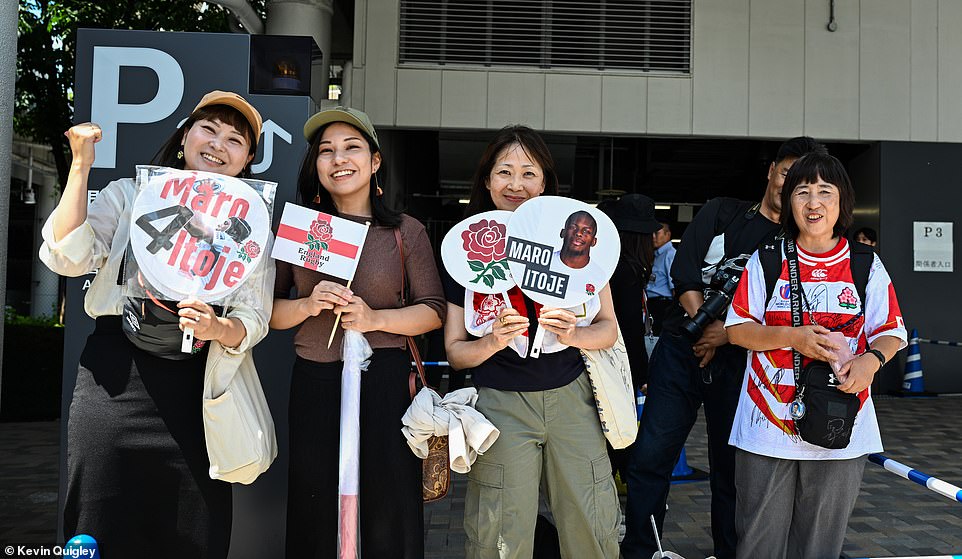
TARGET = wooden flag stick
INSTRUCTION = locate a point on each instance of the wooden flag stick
(337, 320)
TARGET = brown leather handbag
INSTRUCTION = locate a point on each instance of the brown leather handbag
(436, 468)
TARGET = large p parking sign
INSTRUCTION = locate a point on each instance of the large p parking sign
(139, 86)
(105, 107)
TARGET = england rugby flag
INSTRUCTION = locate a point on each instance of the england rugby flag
(318, 241)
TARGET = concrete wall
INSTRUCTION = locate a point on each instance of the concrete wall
(759, 69)
(919, 182)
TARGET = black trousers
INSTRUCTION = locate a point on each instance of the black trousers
(391, 514)
(137, 466)
(677, 387)
(658, 308)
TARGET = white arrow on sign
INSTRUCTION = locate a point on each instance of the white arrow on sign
(270, 128)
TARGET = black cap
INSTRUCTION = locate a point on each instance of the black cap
(634, 213)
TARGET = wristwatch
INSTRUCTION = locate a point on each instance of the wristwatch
(879, 354)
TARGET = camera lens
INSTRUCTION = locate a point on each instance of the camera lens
(693, 329)
(715, 306)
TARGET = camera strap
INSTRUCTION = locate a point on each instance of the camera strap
(734, 206)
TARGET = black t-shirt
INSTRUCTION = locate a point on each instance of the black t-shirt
(506, 370)
(627, 290)
(724, 228)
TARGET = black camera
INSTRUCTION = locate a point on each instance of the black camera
(718, 296)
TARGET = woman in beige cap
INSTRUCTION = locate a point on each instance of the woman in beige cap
(137, 464)
(338, 177)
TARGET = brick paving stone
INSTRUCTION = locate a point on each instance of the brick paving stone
(893, 517)
(28, 482)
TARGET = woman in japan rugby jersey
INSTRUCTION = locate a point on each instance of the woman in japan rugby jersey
(793, 495)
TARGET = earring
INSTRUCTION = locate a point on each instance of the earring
(317, 197)
(379, 191)
(180, 154)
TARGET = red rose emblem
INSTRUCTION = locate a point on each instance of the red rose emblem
(321, 230)
(252, 249)
(484, 241)
(589, 289)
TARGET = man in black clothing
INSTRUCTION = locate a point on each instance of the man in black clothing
(683, 374)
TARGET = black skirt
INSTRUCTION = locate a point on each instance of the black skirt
(391, 512)
(137, 466)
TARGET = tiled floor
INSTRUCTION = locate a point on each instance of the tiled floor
(893, 517)
(28, 482)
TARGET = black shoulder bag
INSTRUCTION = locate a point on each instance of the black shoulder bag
(824, 415)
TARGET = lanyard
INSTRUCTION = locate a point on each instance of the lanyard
(797, 408)
(795, 297)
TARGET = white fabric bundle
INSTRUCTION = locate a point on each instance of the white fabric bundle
(469, 432)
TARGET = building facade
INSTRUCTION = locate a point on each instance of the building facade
(691, 116)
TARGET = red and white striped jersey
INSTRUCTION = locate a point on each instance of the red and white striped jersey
(762, 422)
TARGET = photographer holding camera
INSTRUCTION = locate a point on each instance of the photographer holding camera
(693, 363)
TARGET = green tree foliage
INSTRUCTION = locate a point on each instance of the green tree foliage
(46, 41)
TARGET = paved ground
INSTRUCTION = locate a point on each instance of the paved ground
(894, 517)
(28, 482)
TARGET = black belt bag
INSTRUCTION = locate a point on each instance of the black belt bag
(829, 413)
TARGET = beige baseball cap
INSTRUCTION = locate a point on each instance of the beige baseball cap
(234, 101)
(354, 117)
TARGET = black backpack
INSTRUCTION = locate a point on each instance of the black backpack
(770, 256)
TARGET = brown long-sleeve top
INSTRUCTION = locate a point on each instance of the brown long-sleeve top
(377, 282)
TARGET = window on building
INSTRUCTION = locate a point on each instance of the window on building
(652, 35)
